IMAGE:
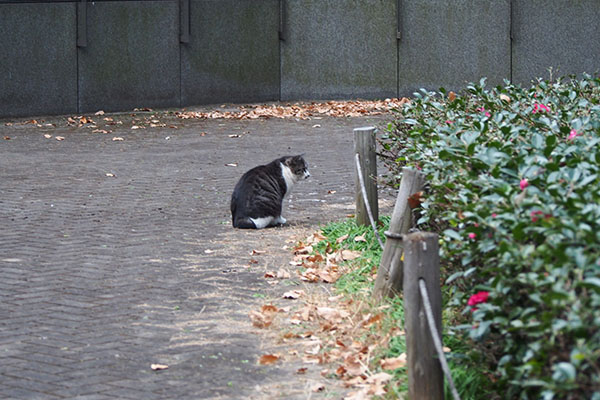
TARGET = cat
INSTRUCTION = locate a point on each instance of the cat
(257, 198)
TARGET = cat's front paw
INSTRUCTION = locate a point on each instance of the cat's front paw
(280, 220)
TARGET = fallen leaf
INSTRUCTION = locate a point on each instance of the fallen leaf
(415, 200)
(393, 363)
(117, 139)
(261, 319)
(341, 239)
(451, 96)
(6, 138)
(110, 174)
(208, 251)
(158, 367)
(301, 371)
(360, 238)
(316, 126)
(135, 127)
(231, 165)
(331, 192)
(255, 252)
(59, 138)
(270, 274)
(283, 274)
(47, 136)
(348, 255)
(293, 294)
(267, 359)
(317, 387)
(100, 112)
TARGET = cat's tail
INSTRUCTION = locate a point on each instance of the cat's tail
(243, 223)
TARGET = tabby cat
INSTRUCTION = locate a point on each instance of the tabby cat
(257, 199)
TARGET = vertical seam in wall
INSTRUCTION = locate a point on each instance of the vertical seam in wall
(77, 51)
(510, 27)
(279, 28)
(397, 49)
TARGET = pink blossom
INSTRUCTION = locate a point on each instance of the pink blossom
(479, 297)
(523, 184)
(540, 108)
(494, 215)
(472, 235)
(534, 215)
(572, 134)
(482, 109)
(449, 122)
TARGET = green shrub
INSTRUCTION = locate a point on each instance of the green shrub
(513, 188)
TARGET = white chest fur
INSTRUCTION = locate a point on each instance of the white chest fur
(289, 178)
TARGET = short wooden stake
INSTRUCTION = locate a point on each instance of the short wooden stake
(421, 261)
(365, 147)
(389, 274)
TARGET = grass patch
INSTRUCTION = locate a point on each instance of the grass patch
(357, 284)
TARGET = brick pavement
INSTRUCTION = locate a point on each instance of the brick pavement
(101, 276)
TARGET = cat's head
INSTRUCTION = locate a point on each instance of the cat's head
(298, 166)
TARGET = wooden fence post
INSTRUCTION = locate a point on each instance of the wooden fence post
(365, 146)
(389, 274)
(421, 261)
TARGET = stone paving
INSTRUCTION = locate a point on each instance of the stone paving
(115, 255)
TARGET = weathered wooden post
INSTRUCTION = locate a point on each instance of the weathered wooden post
(365, 146)
(421, 262)
(389, 274)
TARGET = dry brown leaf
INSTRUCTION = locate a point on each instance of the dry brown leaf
(301, 371)
(393, 363)
(360, 238)
(283, 274)
(317, 387)
(257, 252)
(415, 199)
(451, 96)
(267, 359)
(293, 294)
(348, 255)
(341, 239)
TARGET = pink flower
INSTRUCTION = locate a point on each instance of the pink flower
(572, 134)
(479, 297)
(472, 235)
(482, 109)
(523, 184)
(449, 122)
(540, 108)
(534, 215)
(494, 215)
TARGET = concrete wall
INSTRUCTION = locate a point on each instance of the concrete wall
(38, 62)
(154, 53)
(452, 42)
(339, 49)
(233, 52)
(562, 34)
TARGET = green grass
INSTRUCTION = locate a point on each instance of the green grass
(471, 382)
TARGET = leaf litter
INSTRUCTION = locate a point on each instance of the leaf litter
(341, 335)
